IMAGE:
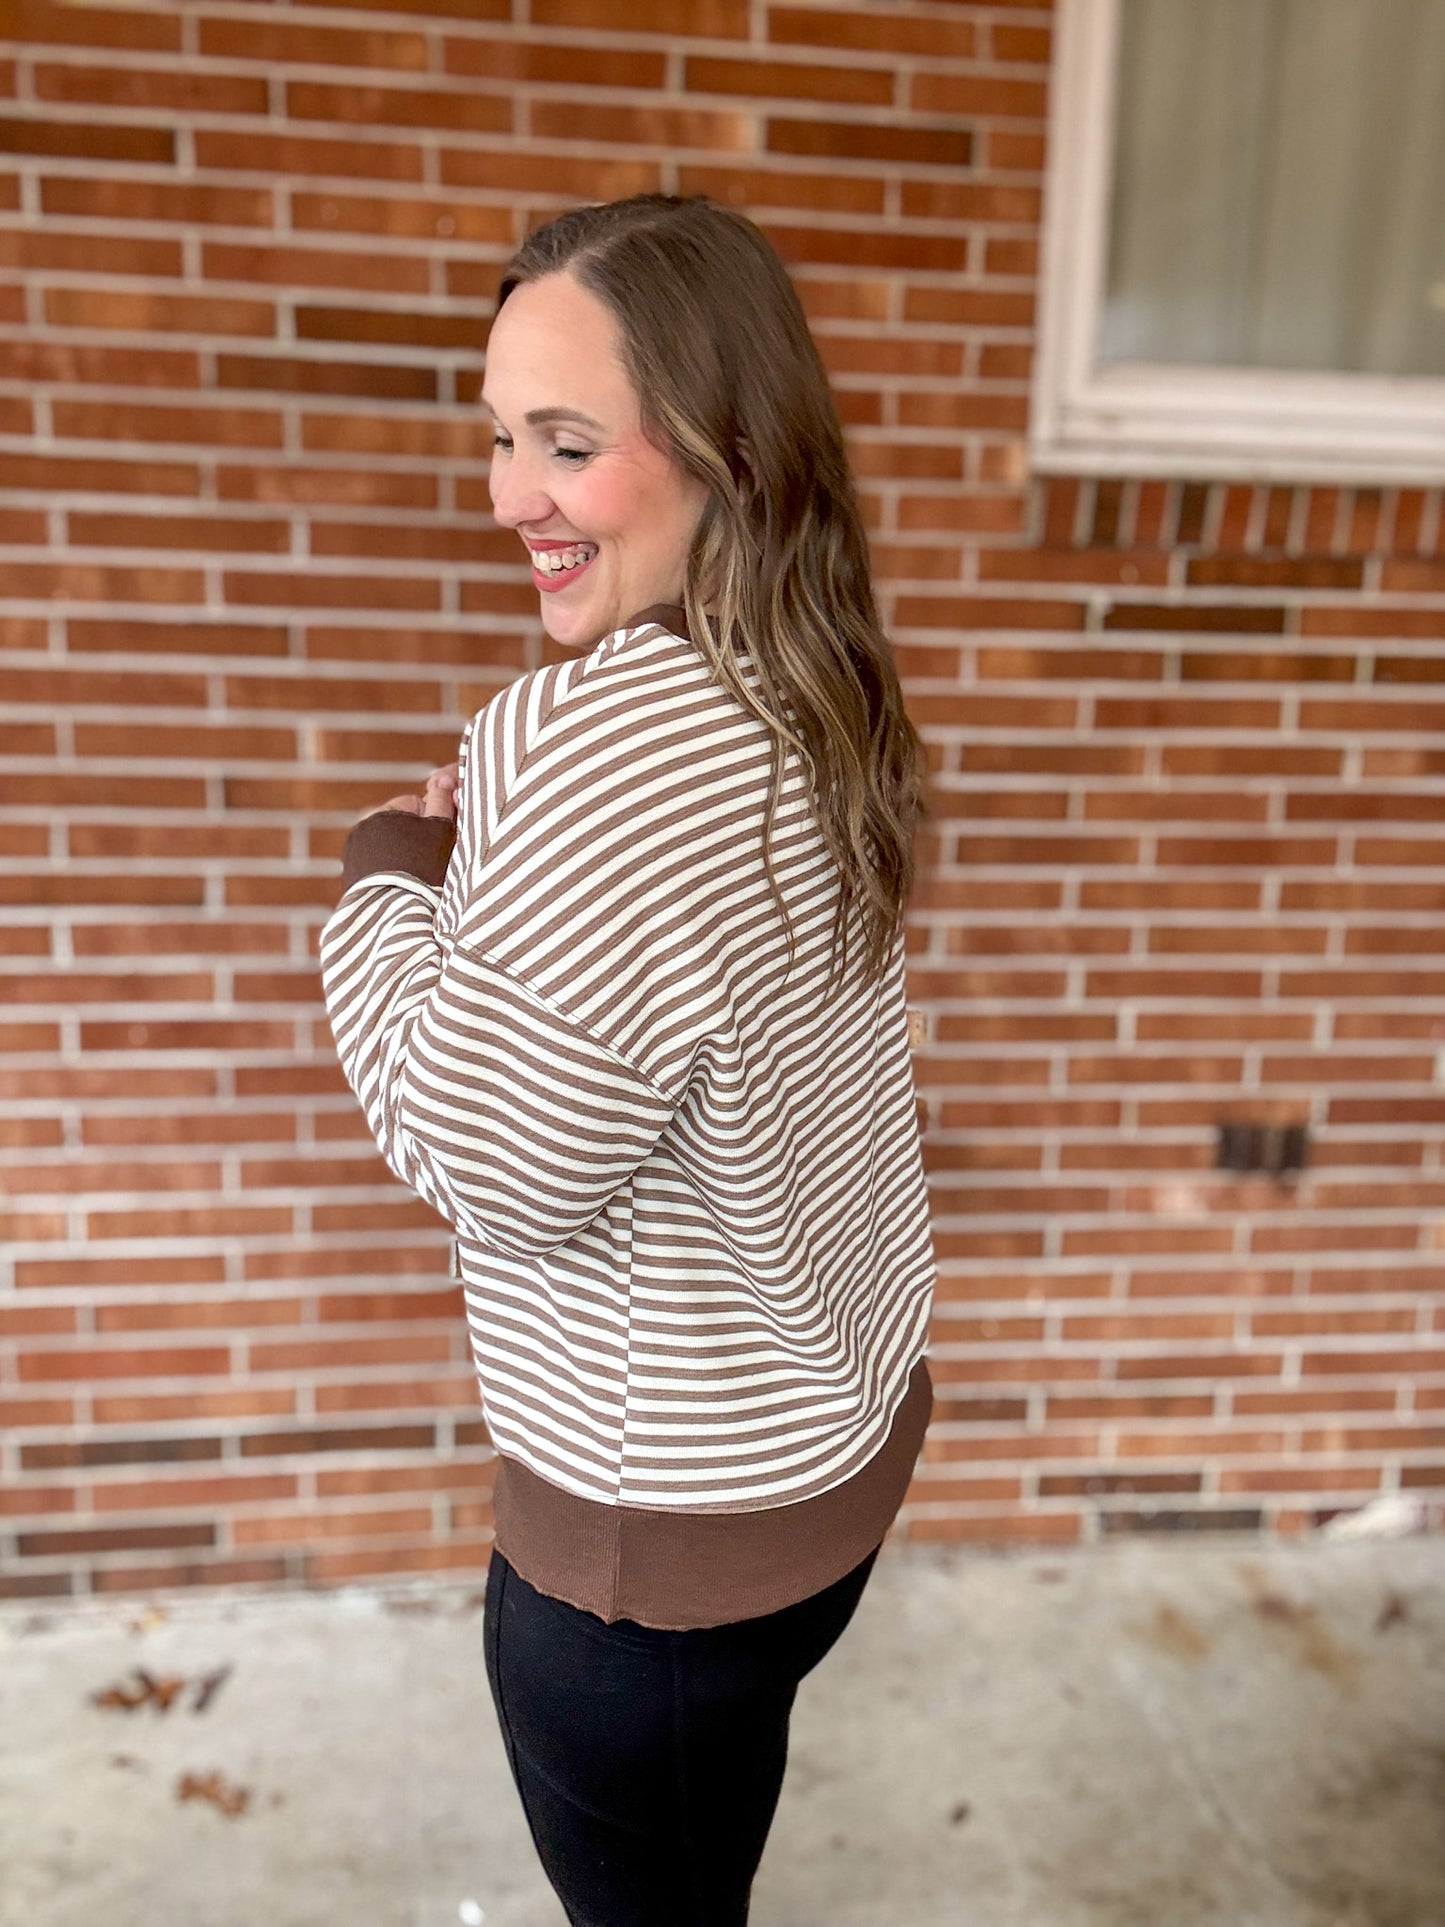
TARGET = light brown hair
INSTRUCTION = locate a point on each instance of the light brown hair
(731, 382)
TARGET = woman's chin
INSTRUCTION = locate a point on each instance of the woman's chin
(579, 627)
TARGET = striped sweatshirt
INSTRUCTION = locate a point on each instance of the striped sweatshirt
(691, 1220)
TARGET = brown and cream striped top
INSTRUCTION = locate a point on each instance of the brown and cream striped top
(692, 1225)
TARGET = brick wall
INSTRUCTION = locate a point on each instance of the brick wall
(1189, 744)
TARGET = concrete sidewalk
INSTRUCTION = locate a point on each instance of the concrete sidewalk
(1137, 1734)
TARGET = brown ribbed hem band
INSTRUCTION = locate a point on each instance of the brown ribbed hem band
(678, 1570)
(396, 840)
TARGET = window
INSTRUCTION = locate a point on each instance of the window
(1244, 265)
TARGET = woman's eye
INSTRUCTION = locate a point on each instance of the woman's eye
(502, 442)
(576, 456)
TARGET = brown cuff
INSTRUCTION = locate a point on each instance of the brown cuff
(397, 840)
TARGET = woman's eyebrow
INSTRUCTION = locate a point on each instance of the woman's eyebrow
(537, 417)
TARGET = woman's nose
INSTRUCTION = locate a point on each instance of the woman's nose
(517, 494)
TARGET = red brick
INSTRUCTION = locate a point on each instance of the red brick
(244, 842)
(440, 9)
(1362, 530)
(373, 540)
(92, 582)
(1011, 150)
(295, 374)
(256, 38)
(419, 748)
(1409, 669)
(24, 685)
(933, 561)
(353, 487)
(62, 24)
(1408, 520)
(561, 176)
(971, 201)
(87, 140)
(25, 941)
(159, 313)
(317, 590)
(128, 255)
(177, 939)
(969, 307)
(313, 267)
(431, 107)
(1005, 361)
(1412, 1363)
(961, 613)
(871, 30)
(964, 410)
(1010, 257)
(715, 19)
(1395, 851)
(74, 1177)
(869, 248)
(447, 438)
(316, 323)
(72, 986)
(848, 354)
(1072, 565)
(1319, 1321)
(54, 472)
(773, 187)
(1396, 624)
(986, 95)
(193, 637)
(152, 422)
(27, 739)
(181, 90)
(1019, 43)
(287, 154)
(427, 219)
(119, 199)
(515, 59)
(133, 1361)
(871, 141)
(99, 792)
(798, 80)
(208, 533)
(666, 127)
(1222, 666)
(1226, 618)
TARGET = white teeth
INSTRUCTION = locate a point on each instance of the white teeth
(557, 561)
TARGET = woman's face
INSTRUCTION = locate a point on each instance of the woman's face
(607, 516)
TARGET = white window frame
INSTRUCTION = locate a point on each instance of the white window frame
(1137, 418)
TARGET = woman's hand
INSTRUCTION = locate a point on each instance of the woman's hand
(439, 798)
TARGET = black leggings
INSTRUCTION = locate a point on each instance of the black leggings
(649, 1763)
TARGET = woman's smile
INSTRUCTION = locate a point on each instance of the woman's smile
(556, 565)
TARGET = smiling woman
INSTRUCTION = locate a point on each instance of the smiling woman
(607, 515)
(634, 1023)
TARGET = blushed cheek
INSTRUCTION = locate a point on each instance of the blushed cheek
(609, 506)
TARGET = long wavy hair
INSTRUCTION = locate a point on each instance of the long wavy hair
(731, 383)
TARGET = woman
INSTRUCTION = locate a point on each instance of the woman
(623, 997)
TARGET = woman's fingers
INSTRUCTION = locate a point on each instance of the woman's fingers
(440, 798)
(411, 804)
(441, 793)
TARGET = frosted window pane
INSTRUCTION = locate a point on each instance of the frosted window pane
(1278, 192)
